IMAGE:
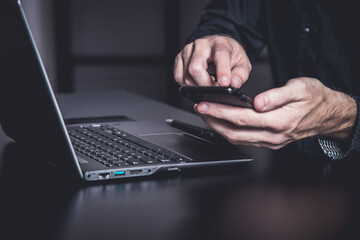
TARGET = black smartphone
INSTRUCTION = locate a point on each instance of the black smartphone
(223, 95)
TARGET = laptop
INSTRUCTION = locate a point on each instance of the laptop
(92, 151)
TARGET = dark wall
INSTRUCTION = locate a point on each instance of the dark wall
(113, 44)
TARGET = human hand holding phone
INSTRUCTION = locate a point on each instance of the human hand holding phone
(298, 110)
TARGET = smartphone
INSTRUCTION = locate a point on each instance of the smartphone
(223, 95)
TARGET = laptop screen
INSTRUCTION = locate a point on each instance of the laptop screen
(29, 112)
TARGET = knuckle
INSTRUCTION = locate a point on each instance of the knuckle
(242, 76)
(240, 120)
(303, 85)
(292, 126)
(264, 124)
(177, 61)
(278, 140)
(187, 50)
(216, 38)
(177, 58)
(183, 53)
(221, 43)
(313, 86)
(189, 82)
(230, 136)
(282, 126)
(216, 112)
(194, 68)
(222, 48)
(220, 39)
(178, 77)
(277, 147)
(275, 98)
(249, 66)
(200, 42)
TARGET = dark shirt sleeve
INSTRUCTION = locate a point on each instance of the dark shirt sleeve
(354, 150)
(240, 19)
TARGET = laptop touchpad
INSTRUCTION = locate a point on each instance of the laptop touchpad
(178, 141)
(187, 145)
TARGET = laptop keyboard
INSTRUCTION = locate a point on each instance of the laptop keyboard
(115, 148)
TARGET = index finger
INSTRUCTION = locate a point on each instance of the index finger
(222, 60)
(198, 64)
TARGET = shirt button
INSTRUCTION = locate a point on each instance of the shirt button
(306, 29)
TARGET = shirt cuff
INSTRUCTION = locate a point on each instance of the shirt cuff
(337, 151)
(331, 149)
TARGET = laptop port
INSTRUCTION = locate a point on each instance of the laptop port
(104, 176)
(135, 172)
(119, 173)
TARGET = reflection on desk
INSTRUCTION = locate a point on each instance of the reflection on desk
(147, 211)
(295, 198)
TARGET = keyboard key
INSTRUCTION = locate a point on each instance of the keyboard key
(134, 161)
(165, 160)
(147, 160)
(179, 159)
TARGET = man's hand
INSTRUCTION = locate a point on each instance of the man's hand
(218, 55)
(304, 107)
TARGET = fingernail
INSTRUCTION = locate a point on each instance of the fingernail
(237, 81)
(262, 104)
(224, 80)
(202, 108)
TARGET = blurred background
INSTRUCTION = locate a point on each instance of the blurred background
(91, 45)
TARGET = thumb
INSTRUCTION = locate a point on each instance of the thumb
(276, 98)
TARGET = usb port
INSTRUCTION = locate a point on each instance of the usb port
(119, 173)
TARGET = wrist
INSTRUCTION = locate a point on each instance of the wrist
(340, 117)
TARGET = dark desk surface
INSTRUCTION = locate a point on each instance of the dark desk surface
(280, 195)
